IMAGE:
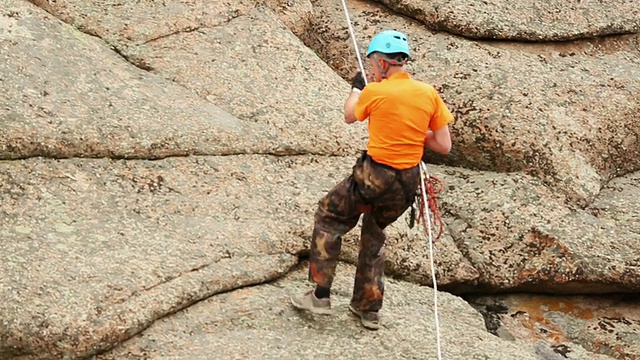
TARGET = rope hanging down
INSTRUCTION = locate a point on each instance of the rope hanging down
(428, 190)
(425, 185)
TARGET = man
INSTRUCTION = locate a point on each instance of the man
(405, 116)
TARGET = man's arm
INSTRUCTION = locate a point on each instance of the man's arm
(439, 140)
(350, 104)
(350, 107)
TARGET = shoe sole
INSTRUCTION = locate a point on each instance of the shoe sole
(367, 324)
(319, 311)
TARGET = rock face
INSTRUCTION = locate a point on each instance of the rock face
(265, 77)
(554, 117)
(66, 94)
(607, 325)
(530, 20)
(244, 124)
(517, 235)
(95, 250)
(618, 203)
(262, 316)
(92, 216)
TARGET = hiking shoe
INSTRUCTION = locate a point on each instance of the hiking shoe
(369, 319)
(311, 303)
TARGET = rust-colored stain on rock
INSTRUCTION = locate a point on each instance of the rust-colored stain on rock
(533, 318)
(599, 324)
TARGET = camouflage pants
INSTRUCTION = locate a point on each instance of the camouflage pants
(383, 194)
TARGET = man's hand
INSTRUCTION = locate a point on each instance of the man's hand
(358, 81)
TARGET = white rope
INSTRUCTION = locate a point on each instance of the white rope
(353, 38)
(423, 174)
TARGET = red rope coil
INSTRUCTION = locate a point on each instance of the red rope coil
(434, 186)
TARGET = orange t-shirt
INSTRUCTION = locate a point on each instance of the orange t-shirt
(400, 110)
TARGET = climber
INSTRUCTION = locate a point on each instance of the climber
(405, 116)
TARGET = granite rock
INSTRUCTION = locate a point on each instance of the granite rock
(532, 20)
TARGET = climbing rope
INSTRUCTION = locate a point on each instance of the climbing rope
(353, 38)
(429, 189)
(429, 192)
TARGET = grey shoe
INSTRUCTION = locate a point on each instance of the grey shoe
(369, 319)
(311, 303)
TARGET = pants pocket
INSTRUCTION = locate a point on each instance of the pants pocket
(370, 180)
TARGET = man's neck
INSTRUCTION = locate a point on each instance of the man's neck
(395, 70)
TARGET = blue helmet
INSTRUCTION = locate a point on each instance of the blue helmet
(389, 42)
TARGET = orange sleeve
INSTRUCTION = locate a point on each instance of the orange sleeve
(363, 106)
(441, 115)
